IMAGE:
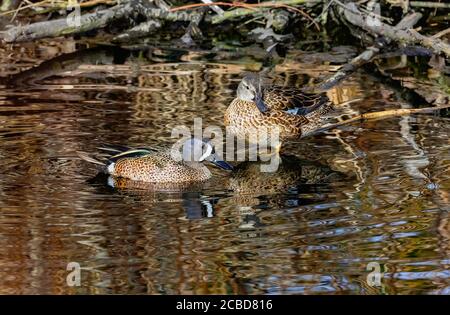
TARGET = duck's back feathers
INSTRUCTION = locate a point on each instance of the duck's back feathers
(292, 100)
(132, 153)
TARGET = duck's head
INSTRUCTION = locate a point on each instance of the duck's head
(200, 150)
(251, 90)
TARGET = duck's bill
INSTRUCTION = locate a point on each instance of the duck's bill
(222, 164)
(261, 105)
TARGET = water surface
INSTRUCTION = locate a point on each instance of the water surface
(369, 192)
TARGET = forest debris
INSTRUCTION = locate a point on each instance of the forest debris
(349, 68)
(441, 33)
(215, 8)
(61, 27)
(261, 34)
(193, 29)
(403, 36)
(368, 55)
(245, 9)
(404, 4)
(91, 21)
(140, 30)
(7, 5)
(428, 4)
(279, 20)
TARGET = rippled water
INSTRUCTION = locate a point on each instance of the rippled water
(376, 192)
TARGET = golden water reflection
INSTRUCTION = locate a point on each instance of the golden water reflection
(372, 192)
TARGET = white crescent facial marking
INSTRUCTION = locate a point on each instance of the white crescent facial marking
(207, 153)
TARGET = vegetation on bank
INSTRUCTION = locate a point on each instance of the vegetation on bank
(380, 29)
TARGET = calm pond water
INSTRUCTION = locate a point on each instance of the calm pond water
(369, 194)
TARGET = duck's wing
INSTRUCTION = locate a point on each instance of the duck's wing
(282, 118)
(292, 100)
(110, 153)
(133, 153)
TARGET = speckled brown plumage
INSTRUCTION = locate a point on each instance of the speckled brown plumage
(159, 167)
(294, 112)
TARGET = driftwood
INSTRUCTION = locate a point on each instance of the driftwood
(382, 115)
(139, 30)
(403, 36)
(61, 27)
(96, 20)
(368, 55)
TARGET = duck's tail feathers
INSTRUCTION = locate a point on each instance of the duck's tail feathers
(84, 156)
(113, 149)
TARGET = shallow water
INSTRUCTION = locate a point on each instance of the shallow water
(374, 192)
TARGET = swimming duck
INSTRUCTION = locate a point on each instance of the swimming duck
(160, 166)
(260, 108)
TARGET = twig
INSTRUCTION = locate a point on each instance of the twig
(426, 4)
(198, 5)
(58, 5)
(382, 115)
(441, 33)
(37, 4)
(246, 9)
(140, 30)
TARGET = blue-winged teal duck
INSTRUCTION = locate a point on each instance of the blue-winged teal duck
(156, 166)
(257, 107)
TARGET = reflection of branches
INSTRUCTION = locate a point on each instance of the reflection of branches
(354, 160)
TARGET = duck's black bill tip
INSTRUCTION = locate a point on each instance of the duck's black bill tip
(262, 107)
(223, 165)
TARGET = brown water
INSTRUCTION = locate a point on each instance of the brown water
(372, 192)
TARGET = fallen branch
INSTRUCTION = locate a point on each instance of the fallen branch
(140, 30)
(403, 36)
(59, 27)
(367, 56)
(244, 9)
(91, 21)
(427, 4)
(441, 33)
(382, 115)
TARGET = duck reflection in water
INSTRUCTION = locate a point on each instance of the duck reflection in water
(295, 183)
(188, 195)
